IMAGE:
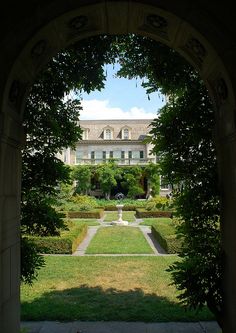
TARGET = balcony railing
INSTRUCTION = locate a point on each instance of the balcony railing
(119, 161)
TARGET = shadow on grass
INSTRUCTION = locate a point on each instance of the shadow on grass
(95, 303)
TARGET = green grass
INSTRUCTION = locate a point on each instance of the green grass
(113, 216)
(135, 202)
(166, 227)
(105, 288)
(116, 239)
(89, 222)
(150, 221)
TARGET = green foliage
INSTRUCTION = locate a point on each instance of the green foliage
(143, 213)
(82, 175)
(131, 181)
(96, 214)
(107, 174)
(183, 140)
(159, 203)
(165, 234)
(67, 243)
(182, 136)
(64, 193)
(83, 202)
(31, 261)
(152, 172)
(51, 124)
(40, 218)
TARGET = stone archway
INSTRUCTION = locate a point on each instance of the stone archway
(37, 31)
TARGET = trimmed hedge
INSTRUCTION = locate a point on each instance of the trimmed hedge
(67, 243)
(142, 213)
(91, 214)
(166, 237)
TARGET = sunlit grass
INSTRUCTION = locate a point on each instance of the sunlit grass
(150, 221)
(113, 216)
(118, 239)
(89, 222)
(105, 288)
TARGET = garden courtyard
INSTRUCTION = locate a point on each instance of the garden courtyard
(121, 275)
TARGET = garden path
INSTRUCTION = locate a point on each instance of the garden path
(146, 230)
(119, 327)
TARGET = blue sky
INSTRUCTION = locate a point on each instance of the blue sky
(121, 98)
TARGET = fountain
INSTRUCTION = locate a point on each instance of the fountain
(119, 206)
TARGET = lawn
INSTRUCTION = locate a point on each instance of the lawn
(113, 216)
(116, 239)
(105, 288)
(89, 222)
(150, 221)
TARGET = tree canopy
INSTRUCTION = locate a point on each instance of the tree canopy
(183, 140)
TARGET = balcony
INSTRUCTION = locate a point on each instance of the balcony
(119, 161)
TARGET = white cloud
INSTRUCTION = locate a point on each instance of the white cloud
(100, 109)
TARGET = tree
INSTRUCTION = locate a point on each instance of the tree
(51, 124)
(132, 181)
(152, 173)
(82, 175)
(183, 139)
(107, 175)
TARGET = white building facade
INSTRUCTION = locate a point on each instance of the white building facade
(124, 140)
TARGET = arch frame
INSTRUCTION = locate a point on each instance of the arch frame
(53, 27)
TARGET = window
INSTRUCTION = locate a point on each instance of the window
(79, 156)
(108, 134)
(104, 155)
(126, 134)
(117, 154)
(92, 155)
(85, 133)
(141, 155)
(130, 154)
(122, 154)
(111, 154)
(136, 154)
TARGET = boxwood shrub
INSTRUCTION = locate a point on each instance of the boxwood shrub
(91, 214)
(166, 236)
(142, 213)
(67, 243)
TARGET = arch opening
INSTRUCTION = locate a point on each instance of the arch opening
(113, 17)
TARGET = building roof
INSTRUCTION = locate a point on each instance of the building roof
(139, 128)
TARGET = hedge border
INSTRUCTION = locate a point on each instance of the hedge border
(170, 243)
(65, 244)
(96, 214)
(142, 213)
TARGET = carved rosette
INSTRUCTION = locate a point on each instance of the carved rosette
(156, 24)
(196, 50)
(78, 23)
(14, 92)
(38, 49)
(221, 89)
